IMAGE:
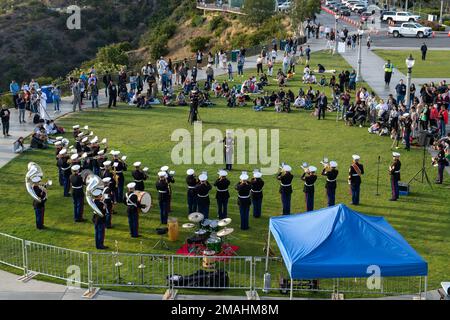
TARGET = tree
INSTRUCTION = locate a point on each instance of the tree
(301, 11)
(258, 10)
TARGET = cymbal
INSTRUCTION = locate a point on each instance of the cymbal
(225, 232)
(224, 222)
(188, 225)
(200, 232)
(196, 217)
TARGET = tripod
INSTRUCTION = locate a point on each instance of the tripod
(423, 171)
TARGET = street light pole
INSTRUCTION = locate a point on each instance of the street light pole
(358, 72)
(442, 9)
(336, 34)
(409, 64)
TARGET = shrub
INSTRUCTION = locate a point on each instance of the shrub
(433, 25)
(159, 47)
(197, 21)
(112, 54)
(199, 43)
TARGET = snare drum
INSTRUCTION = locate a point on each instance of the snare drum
(214, 244)
(145, 199)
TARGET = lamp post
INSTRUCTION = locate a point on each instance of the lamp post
(337, 16)
(358, 72)
(440, 14)
(409, 64)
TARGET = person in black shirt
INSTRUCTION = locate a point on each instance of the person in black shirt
(285, 177)
(407, 125)
(106, 81)
(330, 185)
(202, 191)
(394, 172)
(354, 178)
(64, 165)
(244, 189)
(39, 206)
(112, 92)
(309, 177)
(424, 49)
(442, 162)
(192, 182)
(257, 184)
(120, 166)
(162, 186)
(139, 176)
(222, 194)
(5, 114)
(108, 196)
(99, 222)
(76, 182)
(133, 207)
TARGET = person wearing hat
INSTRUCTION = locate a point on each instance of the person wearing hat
(131, 200)
(120, 166)
(170, 179)
(192, 182)
(202, 191)
(107, 197)
(162, 186)
(354, 178)
(58, 148)
(98, 160)
(222, 194)
(394, 172)
(39, 206)
(257, 184)
(76, 131)
(99, 222)
(309, 177)
(64, 166)
(108, 173)
(285, 177)
(331, 173)
(139, 176)
(244, 189)
(76, 182)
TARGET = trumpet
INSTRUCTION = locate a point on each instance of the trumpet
(326, 164)
(305, 166)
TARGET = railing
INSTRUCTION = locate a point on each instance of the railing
(118, 270)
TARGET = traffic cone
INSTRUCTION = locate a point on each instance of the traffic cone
(449, 33)
(433, 34)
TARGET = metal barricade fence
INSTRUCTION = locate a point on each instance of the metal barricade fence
(124, 269)
(11, 251)
(211, 272)
(56, 262)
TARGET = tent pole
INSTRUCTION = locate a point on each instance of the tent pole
(292, 289)
(426, 286)
(267, 251)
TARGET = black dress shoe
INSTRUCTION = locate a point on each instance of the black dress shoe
(392, 199)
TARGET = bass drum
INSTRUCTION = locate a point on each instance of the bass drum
(85, 174)
(146, 199)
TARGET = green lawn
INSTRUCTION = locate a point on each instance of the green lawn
(144, 135)
(436, 65)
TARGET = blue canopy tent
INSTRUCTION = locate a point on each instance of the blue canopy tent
(337, 242)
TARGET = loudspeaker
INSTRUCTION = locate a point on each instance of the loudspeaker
(403, 188)
(424, 138)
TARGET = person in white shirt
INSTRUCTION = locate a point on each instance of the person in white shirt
(273, 55)
(43, 105)
(299, 102)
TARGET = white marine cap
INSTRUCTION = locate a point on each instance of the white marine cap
(356, 157)
(74, 156)
(95, 140)
(222, 173)
(333, 164)
(107, 163)
(76, 167)
(58, 143)
(287, 168)
(101, 153)
(106, 180)
(203, 177)
(164, 168)
(137, 164)
(115, 153)
(131, 185)
(405, 115)
(190, 172)
(59, 138)
(312, 169)
(96, 192)
(36, 179)
(85, 139)
(86, 127)
(395, 154)
(243, 176)
(104, 140)
(84, 155)
(62, 152)
(76, 126)
(161, 174)
(73, 150)
(80, 134)
(257, 174)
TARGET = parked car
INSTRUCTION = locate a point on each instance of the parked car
(401, 16)
(351, 3)
(329, 3)
(365, 16)
(410, 29)
(345, 12)
(284, 6)
(358, 7)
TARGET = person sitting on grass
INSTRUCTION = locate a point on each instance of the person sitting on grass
(321, 68)
(216, 88)
(18, 146)
(286, 105)
(231, 100)
(349, 114)
(323, 81)
(375, 128)
(278, 105)
(360, 115)
(263, 81)
(281, 78)
(240, 100)
(258, 104)
(299, 102)
(181, 99)
(332, 82)
(225, 88)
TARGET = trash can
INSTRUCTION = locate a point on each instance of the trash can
(282, 45)
(234, 55)
(48, 92)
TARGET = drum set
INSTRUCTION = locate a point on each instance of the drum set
(209, 236)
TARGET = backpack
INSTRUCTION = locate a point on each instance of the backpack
(36, 119)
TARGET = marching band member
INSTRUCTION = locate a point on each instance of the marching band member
(119, 167)
(170, 179)
(99, 222)
(244, 190)
(222, 194)
(58, 148)
(131, 201)
(394, 172)
(98, 162)
(285, 177)
(331, 184)
(202, 191)
(76, 182)
(78, 144)
(354, 179)
(95, 148)
(162, 185)
(309, 177)
(139, 176)
(108, 195)
(64, 165)
(108, 173)
(39, 207)
(76, 130)
(192, 182)
(257, 184)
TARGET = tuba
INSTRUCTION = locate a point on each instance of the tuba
(93, 182)
(34, 170)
